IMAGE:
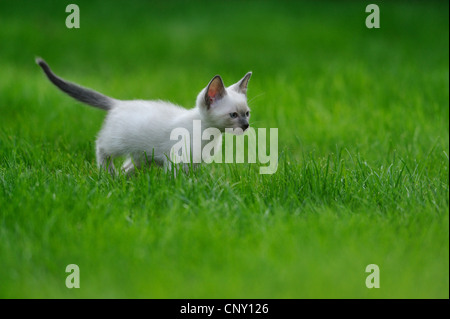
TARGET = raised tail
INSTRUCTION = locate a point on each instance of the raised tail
(76, 91)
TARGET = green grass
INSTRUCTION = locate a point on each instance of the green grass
(363, 173)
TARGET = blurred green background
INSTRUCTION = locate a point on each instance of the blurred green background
(362, 116)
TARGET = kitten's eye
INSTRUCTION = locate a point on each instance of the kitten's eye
(247, 114)
(234, 115)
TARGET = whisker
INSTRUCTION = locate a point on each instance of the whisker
(253, 122)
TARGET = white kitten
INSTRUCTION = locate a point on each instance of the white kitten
(141, 129)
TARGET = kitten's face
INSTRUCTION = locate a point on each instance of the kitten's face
(226, 107)
(231, 111)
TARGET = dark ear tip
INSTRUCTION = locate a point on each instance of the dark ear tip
(247, 77)
(216, 79)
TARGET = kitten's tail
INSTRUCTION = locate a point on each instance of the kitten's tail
(76, 91)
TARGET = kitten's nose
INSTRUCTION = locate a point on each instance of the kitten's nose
(245, 126)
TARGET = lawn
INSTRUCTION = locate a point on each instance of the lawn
(363, 145)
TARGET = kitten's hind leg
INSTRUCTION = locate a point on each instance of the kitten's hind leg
(105, 161)
(130, 164)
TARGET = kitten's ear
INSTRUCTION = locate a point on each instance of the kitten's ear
(214, 91)
(241, 86)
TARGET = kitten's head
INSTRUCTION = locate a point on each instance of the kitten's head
(225, 107)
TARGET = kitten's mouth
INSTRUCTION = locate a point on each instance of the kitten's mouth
(238, 130)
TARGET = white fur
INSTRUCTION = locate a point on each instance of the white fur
(139, 129)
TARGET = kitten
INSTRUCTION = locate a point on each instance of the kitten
(141, 129)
